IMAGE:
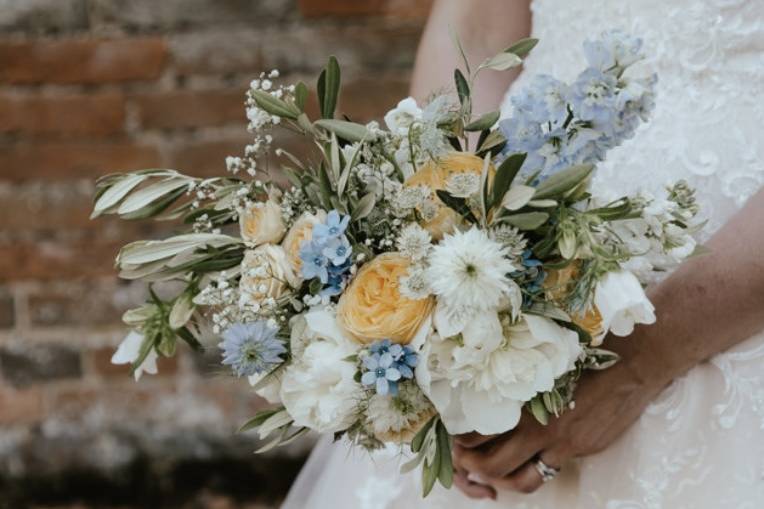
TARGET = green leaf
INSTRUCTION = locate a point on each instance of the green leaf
(542, 204)
(325, 186)
(484, 122)
(560, 183)
(364, 207)
(526, 220)
(151, 193)
(329, 88)
(505, 174)
(539, 411)
(315, 286)
(462, 87)
(446, 471)
(522, 47)
(502, 62)
(300, 95)
(492, 143)
(114, 194)
(567, 244)
(274, 105)
(517, 197)
(430, 473)
(349, 131)
(457, 204)
(418, 440)
(458, 44)
(143, 352)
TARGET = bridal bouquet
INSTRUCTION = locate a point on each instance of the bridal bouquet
(435, 276)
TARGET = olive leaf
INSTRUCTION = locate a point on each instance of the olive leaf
(328, 88)
(484, 122)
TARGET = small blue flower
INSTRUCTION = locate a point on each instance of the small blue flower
(252, 348)
(314, 263)
(381, 374)
(337, 250)
(334, 226)
(383, 356)
(613, 51)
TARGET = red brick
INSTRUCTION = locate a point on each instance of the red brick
(73, 115)
(89, 303)
(23, 406)
(100, 361)
(401, 9)
(7, 310)
(206, 158)
(386, 91)
(82, 60)
(47, 260)
(188, 108)
(68, 160)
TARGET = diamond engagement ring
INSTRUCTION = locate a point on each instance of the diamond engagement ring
(546, 472)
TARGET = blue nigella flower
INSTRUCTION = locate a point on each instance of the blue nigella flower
(386, 364)
(252, 348)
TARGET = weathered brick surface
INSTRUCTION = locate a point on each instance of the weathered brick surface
(23, 365)
(65, 116)
(89, 87)
(73, 159)
(190, 108)
(82, 60)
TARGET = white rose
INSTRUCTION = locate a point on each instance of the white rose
(318, 388)
(622, 302)
(400, 118)
(481, 384)
(266, 273)
(262, 223)
(128, 352)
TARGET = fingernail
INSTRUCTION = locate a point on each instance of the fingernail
(475, 478)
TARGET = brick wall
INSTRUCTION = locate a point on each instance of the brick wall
(92, 86)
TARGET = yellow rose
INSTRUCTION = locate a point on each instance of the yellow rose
(558, 284)
(435, 174)
(372, 307)
(262, 223)
(266, 273)
(301, 230)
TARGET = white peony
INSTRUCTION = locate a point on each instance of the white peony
(481, 382)
(622, 302)
(468, 272)
(128, 352)
(400, 118)
(318, 388)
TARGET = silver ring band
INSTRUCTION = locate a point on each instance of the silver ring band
(546, 472)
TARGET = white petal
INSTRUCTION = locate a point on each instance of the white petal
(489, 417)
(446, 323)
(129, 349)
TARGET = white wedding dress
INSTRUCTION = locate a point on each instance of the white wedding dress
(701, 444)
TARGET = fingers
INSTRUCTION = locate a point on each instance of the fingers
(527, 478)
(472, 440)
(499, 457)
(472, 489)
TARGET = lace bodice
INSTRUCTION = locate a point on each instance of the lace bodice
(709, 57)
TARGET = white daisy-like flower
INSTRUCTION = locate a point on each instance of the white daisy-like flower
(468, 272)
(463, 185)
(414, 242)
(414, 285)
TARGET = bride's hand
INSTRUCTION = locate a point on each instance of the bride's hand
(607, 403)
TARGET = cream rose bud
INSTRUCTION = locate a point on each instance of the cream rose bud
(266, 273)
(262, 223)
(301, 231)
(622, 302)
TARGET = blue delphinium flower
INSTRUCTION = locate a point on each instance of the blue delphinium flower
(326, 255)
(386, 364)
(252, 348)
(613, 51)
(593, 97)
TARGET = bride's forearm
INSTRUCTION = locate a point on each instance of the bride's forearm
(707, 305)
(485, 27)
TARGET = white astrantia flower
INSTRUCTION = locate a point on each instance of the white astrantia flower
(318, 388)
(482, 382)
(128, 352)
(400, 118)
(409, 198)
(414, 284)
(414, 242)
(622, 302)
(468, 272)
(397, 419)
(463, 185)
